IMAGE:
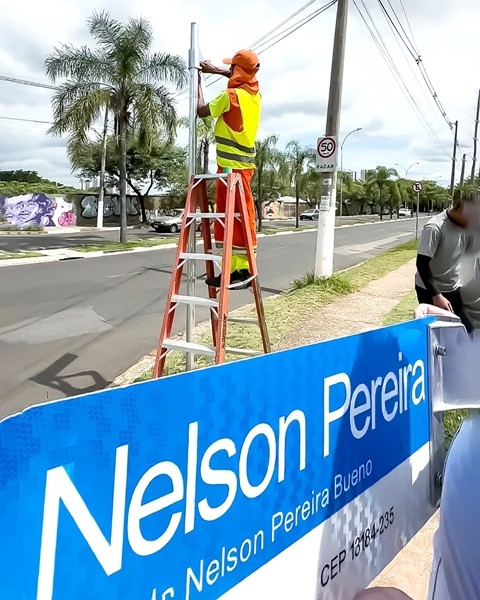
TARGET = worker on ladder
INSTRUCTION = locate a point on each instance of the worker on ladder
(237, 113)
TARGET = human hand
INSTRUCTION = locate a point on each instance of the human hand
(207, 67)
(441, 302)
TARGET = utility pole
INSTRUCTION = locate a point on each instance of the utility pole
(454, 160)
(475, 141)
(101, 188)
(462, 174)
(328, 181)
(192, 153)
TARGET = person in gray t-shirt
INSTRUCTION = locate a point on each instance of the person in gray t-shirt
(443, 243)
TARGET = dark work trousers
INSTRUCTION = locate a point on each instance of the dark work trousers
(455, 299)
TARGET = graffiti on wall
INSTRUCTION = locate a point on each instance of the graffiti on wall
(111, 206)
(37, 209)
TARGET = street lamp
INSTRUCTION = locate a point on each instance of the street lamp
(406, 170)
(341, 170)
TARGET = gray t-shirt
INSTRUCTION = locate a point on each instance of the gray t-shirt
(445, 243)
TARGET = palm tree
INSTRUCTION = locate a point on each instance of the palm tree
(382, 176)
(265, 159)
(297, 156)
(122, 76)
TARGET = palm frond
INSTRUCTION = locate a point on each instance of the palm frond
(132, 46)
(104, 29)
(155, 111)
(76, 106)
(81, 64)
(167, 68)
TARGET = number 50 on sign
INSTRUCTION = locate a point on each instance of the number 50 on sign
(327, 150)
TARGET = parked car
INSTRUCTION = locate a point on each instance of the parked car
(404, 212)
(171, 221)
(310, 215)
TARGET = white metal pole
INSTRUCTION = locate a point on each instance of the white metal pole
(416, 219)
(341, 169)
(101, 188)
(192, 151)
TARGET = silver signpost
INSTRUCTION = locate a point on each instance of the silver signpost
(192, 151)
(417, 188)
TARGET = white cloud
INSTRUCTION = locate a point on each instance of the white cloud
(294, 75)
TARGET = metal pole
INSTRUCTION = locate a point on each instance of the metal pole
(475, 140)
(416, 218)
(328, 181)
(454, 160)
(101, 190)
(192, 151)
(341, 171)
(462, 174)
(340, 212)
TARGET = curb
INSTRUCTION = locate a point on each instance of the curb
(68, 254)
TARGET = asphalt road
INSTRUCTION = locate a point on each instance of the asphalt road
(13, 242)
(71, 327)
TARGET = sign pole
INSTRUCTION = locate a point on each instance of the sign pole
(416, 219)
(192, 152)
(417, 188)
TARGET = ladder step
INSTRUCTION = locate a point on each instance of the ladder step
(211, 176)
(199, 256)
(200, 215)
(245, 320)
(197, 300)
(188, 347)
(243, 352)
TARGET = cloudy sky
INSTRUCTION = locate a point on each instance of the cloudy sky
(294, 74)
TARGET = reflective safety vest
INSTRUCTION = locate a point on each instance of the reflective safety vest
(236, 149)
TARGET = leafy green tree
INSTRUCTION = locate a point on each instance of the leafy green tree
(121, 75)
(298, 157)
(382, 177)
(158, 167)
(266, 160)
(18, 188)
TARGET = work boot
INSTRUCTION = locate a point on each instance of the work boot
(235, 277)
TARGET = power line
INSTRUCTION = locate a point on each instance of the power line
(26, 120)
(27, 82)
(381, 46)
(282, 35)
(411, 47)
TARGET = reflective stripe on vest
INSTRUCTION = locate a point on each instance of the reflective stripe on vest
(236, 149)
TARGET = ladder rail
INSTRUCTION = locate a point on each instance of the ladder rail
(252, 261)
(217, 301)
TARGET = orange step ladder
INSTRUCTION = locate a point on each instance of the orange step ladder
(218, 299)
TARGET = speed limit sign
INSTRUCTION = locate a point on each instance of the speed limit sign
(417, 187)
(327, 150)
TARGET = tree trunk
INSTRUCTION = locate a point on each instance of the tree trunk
(258, 204)
(123, 177)
(206, 148)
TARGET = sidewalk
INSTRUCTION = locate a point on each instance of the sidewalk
(352, 314)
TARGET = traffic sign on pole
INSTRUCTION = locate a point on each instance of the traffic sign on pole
(327, 151)
(417, 187)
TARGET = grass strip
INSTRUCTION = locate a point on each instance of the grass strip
(286, 311)
(118, 247)
(15, 255)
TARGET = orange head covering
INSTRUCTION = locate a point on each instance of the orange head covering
(245, 65)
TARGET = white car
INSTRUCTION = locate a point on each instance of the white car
(404, 212)
(171, 222)
(311, 214)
